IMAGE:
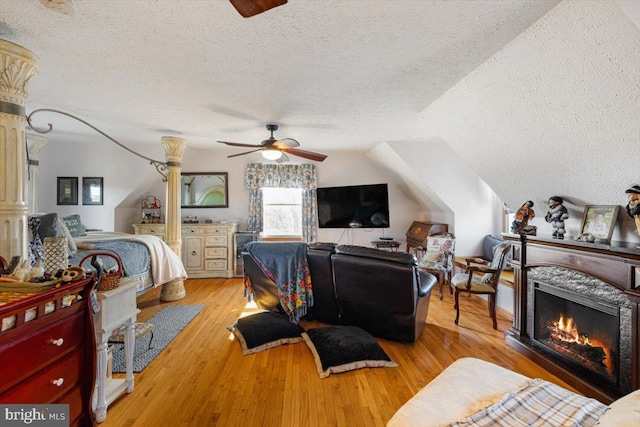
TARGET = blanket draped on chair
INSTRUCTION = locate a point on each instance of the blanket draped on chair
(286, 264)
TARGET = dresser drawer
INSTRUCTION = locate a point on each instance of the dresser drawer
(21, 358)
(74, 400)
(40, 387)
(216, 264)
(216, 241)
(159, 231)
(210, 253)
(192, 230)
(216, 230)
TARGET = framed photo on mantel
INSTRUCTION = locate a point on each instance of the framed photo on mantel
(599, 221)
(67, 190)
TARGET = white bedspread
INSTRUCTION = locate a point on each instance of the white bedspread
(165, 264)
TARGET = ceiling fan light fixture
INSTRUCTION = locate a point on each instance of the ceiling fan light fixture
(271, 154)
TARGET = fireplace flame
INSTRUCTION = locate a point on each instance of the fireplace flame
(565, 330)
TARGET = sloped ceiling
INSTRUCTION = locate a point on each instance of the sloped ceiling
(556, 112)
(334, 74)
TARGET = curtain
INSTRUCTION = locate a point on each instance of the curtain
(302, 176)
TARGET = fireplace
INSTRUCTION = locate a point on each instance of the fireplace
(577, 313)
(581, 333)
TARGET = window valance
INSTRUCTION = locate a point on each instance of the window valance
(284, 176)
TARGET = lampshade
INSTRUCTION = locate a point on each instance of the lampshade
(271, 154)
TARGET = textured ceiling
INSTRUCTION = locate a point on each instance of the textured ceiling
(334, 74)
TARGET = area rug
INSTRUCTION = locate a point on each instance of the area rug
(167, 324)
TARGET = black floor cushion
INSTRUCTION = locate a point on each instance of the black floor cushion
(265, 330)
(345, 348)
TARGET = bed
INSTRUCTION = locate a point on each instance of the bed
(469, 387)
(146, 260)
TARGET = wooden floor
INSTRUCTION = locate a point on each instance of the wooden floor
(202, 379)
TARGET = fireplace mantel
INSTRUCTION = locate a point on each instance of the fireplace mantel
(617, 264)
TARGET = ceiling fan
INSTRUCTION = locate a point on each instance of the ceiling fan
(275, 149)
(249, 8)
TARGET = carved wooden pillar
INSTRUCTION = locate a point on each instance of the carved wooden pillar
(17, 66)
(34, 145)
(173, 148)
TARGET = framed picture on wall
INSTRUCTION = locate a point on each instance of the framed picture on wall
(67, 190)
(599, 221)
(92, 190)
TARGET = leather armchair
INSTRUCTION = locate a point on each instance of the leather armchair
(382, 292)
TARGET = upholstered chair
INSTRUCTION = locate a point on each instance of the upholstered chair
(486, 284)
(438, 258)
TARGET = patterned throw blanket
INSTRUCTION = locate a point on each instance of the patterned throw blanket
(538, 403)
(286, 264)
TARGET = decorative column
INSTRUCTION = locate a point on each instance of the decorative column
(34, 145)
(17, 66)
(173, 149)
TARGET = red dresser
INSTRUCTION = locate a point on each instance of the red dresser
(48, 349)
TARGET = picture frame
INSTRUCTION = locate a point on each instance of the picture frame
(599, 220)
(67, 190)
(92, 190)
(204, 190)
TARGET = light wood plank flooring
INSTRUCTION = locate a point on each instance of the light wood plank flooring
(202, 379)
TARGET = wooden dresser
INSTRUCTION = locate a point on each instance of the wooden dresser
(207, 249)
(48, 350)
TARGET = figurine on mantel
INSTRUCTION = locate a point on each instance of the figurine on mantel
(556, 215)
(522, 217)
(633, 207)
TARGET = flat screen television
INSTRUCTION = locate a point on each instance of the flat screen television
(354, 206)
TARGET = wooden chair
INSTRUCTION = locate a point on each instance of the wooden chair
(438, 258)
(481, 285)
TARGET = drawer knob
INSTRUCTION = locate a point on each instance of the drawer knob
(193, 253)
(58, 342)
(58, 382)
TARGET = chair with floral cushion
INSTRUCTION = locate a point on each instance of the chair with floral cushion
(438, 258)
(486, 284)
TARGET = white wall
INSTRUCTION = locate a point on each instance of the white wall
(128, 179)
(555, 112)
(445, 176)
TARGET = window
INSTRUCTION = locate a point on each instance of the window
(282, 211)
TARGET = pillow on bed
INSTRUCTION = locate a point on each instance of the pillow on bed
(74, 225)
(49, 226)
(66, 233)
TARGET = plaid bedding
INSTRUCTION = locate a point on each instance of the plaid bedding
(538, 403)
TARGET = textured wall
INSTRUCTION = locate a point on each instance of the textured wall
(556, 112)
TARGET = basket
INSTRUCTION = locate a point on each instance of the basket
(109, 281)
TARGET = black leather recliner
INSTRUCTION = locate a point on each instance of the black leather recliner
(382, 292)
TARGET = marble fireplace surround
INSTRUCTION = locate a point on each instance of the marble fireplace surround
(601, 273)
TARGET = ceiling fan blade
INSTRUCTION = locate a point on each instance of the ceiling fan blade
(282, 159)
(306, 154)
(239, 144)
(286, 143)
(249, 8)
(242, 154)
